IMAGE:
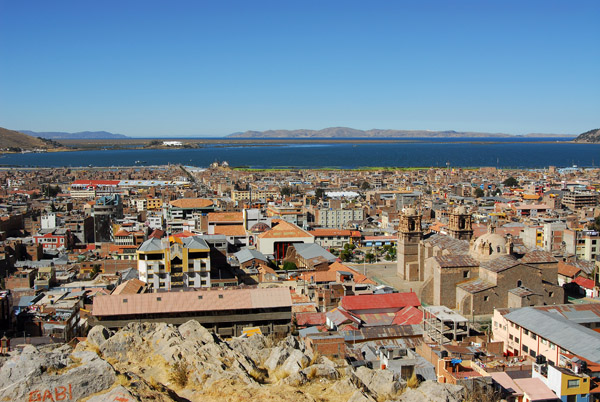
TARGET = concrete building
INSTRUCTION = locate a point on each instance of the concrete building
(337, 218)
(175, 263)
(536, 331)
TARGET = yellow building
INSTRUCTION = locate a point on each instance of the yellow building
(175, 262)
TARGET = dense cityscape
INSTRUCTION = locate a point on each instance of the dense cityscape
(474, 277)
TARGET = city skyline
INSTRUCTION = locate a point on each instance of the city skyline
(148, 69)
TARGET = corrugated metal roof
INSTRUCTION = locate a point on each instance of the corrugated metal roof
(567, 334)
(174, 302)
(313, 250)
(247, 254)
(152, 244)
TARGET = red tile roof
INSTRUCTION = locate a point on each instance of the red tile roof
(584, 282)
(380, 301)
(310, 319)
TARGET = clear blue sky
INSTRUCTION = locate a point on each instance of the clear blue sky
(186, 68)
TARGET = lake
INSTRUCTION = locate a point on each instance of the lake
(476, 152)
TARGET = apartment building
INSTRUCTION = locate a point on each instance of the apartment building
(579, 199)
(175, 263)
(548, 331)
(337, 218)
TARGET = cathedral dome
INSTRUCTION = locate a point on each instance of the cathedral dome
(489, 246)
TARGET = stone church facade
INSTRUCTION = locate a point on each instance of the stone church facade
(474, 276)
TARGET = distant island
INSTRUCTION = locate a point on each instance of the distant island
(82, 135)
(346, 132)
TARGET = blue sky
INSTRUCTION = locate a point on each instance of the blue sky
(199, 68)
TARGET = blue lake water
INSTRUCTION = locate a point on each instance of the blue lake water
(436, 152)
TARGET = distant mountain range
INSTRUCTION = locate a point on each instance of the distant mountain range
(346, 132)
(589, 136)
(82, 135)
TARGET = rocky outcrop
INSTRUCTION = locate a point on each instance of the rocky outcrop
(161, 362)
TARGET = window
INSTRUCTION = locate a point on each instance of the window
(516, 339)
(486, 298)
(532, 353)
(519, 283)
(550, 294)
(526, 331)
(159, 299)
(200, 297)
(465, 274)
(533, 336)
(510, 337)
(525, 349)
(220, 296)
(573, 384)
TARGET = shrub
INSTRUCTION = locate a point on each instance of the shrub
(179, 374)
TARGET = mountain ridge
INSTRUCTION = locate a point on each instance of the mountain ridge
(81, 135)
(16, 141)
(591, 136)
(347, 132)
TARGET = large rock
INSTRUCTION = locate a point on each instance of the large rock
(343, 387)
(295, 362)
(119, 393)
(359, 396)
(380, 382)
(55, 376)
(254, 347)
(193, 330)
(321, 371)
(434, 392)
(276, 358)
(98, 335)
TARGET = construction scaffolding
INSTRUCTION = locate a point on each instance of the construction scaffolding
(443, 325)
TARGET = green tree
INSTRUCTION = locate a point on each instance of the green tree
(346, 255)
(370, 257)
(285, 191)
(289, 266)
(511, 182)
(320, 193)
(365, 186)
(479, 192)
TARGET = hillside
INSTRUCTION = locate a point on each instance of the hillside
(19, 141)
(82, 135)
(160, 362)
(589, 136)
(346, 132)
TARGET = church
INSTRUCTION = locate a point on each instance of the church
(474, 276)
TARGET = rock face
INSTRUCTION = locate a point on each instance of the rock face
(35, 376)
(161, 362)
(589, 136)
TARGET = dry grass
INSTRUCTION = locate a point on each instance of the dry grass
(312, 373)
(279, 374)
(315, 358)
(123, 380)
(154, 384)
(112, 361)
(259, 375)
(95, 349)
(179, 374)
(413, 381)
